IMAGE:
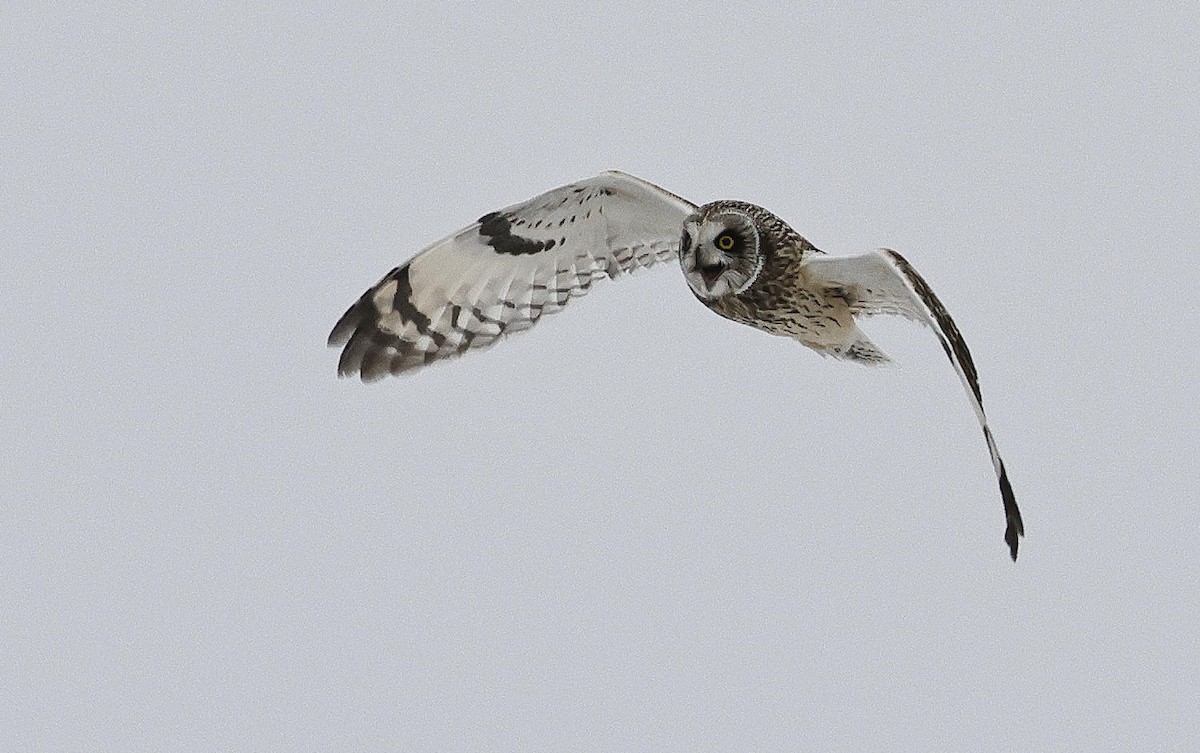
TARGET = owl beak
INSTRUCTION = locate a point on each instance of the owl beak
(710, 273)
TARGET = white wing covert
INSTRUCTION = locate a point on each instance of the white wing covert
(501, 274)
(883, 282)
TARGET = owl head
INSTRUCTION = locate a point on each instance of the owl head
(723, 248)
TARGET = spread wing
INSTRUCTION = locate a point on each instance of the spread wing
(883, 282)
(501, 274)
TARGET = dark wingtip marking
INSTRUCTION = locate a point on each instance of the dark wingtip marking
(1010, 538)
(352, 354)
(1015, 528)
(362, 311)
(370, 352)
(341, 332)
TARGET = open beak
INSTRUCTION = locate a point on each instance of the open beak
(710, 273)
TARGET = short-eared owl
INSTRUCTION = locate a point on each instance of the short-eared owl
(500, 274)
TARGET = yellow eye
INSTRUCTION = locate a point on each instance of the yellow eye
(725, 242)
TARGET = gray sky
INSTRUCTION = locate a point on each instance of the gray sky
(640, 526)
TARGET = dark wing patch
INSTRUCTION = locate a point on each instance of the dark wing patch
(496, 230)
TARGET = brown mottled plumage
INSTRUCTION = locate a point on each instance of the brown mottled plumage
(779, 297)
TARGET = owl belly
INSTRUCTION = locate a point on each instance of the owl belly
(820, 322)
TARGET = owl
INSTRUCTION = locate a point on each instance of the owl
(508, 269)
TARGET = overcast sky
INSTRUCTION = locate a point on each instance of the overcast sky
(639, 527)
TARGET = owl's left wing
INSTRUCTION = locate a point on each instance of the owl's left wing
(500, 274)
(883, 282)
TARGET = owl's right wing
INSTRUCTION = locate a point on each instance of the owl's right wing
(502, 273)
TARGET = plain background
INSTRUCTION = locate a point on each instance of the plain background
(640, 526)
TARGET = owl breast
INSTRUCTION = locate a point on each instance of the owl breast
(780, 302)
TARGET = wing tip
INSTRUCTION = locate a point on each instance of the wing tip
(1015, 527)
(344, 329)
(1012, 537)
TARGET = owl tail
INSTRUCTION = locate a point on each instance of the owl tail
(861, 350)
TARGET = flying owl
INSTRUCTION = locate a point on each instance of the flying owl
(501, 274)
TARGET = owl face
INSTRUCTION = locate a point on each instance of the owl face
(720, 251)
